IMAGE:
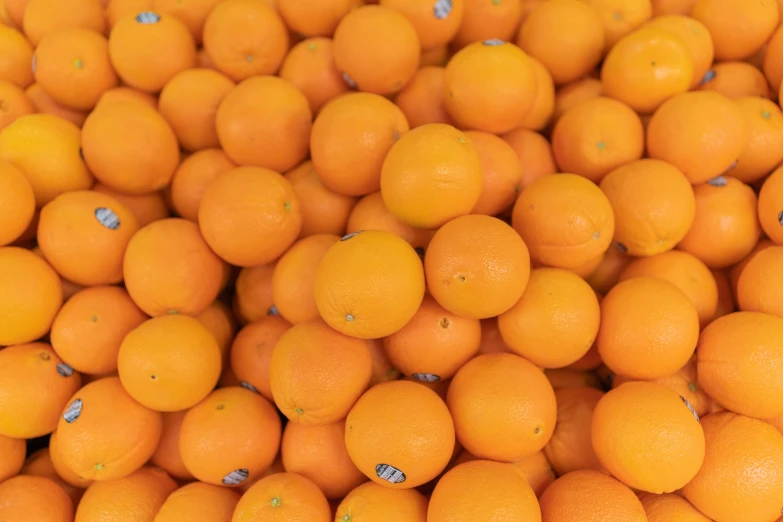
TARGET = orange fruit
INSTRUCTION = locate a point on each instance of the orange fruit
(314, 18)
(534, 152)
(245, 38)
(146, 207)
(422, 100)
(627, 74)
(253, 299)
(772, 63)
(566, 36)
(231, 436)
(30, 296)
(471, 284)
(756, 291)
(15, 101)
(726, 226)
(435, 23)
(412, 174)
(369, 284)
(571, 446)
(104, 434)
(16, 195)
(381, 504)
(488, 429)
(13, 452)
(738, 29)
(199, 502)
(117, 94)
(193, 176)
(376, 49)
(317, 373)
(694, 35)
(620, 17)
(370, 213)
(158, 284)
(351, 137)
(565, 220)
(319, 454)
(770, 206)
(502, 173)
(556, 320)
(648, 437)
(39, 464)
(596, 137)
(167, 456)
(484, 20)
(539, 115)
(590, 496)
(309, 66)
(46, 17)
(46, 149)
(283, 496)
(130, 147)
(653, 205)
(17, 55)
(735, 80)
(762, 152)
(736, 271)
(34, 498)
(490, 86)
(573, 93)
(670, 506)
(667, 7)
(220, 322)
(400, 434)
(192, 13)
(45, 104)
(67, 475)
(463, 494)
(434, 344)
(264, 122)
(189, 103)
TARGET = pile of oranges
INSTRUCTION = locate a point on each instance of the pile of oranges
(391, 261)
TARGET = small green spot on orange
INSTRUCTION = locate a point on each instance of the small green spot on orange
(692, 386)
(347, 518)
(275, 502)
(462, 140)
(299, 410)
(287, 206)
(617, 16)
(766, 115)
(93, 318)
(173, 312)
(312, 46)
(349, 317)
(78, 63)
(601, 145)
(249, 58)
(496, 2)
(99, 466)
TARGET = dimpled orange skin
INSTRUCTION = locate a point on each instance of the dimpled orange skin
(31, 296)
(477, 266)
(372, 502)
(694, 35)
(431, 175)
(19, 104)
(309, 66)
(735, 80)
(502, 173)
(369, 284)
(645, 435)
(434, 24)
(192, 177)
(199, 502)
(770, 206)
(404, 425)
(283, 496)
(147, 207)
(739, 356)
(422, 99)
(670, 507)
(484, 20)
(677, 129)
(653, 204)
(758, 287)
(590, 496)
(303, 388)
(34, 498)
(253, 299)
(571, 447)
(370, 213)
(167, 456)
(739, 29)
(764, 148)
(489, 86)
(726, 226)
(483, 490)
(621, 17)
(534, 152)
(555, 321)
(479, 397)
(649, 328)
(646, 67)
(565, 220)
(251, 351)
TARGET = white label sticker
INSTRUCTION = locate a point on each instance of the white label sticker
(426, 377)
(688, 404)
(148, 17)
(64, 370)
(237, 476)
(73, 411)
(349, 81)
(492, 42)
(389, 474)
(349, 236)
(248, 386)
(107, 218)
(442, 9)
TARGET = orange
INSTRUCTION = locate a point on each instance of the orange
(17, 55)
(738, 29)
(103, 434)
(244, 205)
(653, 205)
(370, 213)
(770, 206)
(199, 502)
(773, 60)
(487, 428)
(319, 454)
(434, 344)
(571, 447)
(726, 226)
(534, 152)
(596, 137)
(45, 104)
(376, 49)
(167, 456)
(676, 134)
(477, 266)
(764, 147)
(46, 149)
(736, 271)
(756, 291)
(46, 17)
(13, 452)
(374, 502)
(574, 93)
(16, 195)
(15, 102)
(129, 94)
(146, 207)
(39, 464)
(422, 100)
(141, 493)
(369, 284)
(670, 506)
(400, 434)
(193, 176)
(566, 36)
(64, 473)
(648, 437)
(538, 472)
(490, 86)
(667, 7)
(620, 17)
(34, 498)
(148, 49)
(694, 35)
(245, 38)
(539, 115)
(317, 373)
(314, 18)
(565, 220)
(192, 13)
(556, 320)
(741, 474)
(436, 23)
(231, 436)
(130, 147)
(351, 137)
(283, 496)
(590, 496)
(483, 490)
(73, 67)
(484, 20)
(253, 299)
(220, 322)
(647, 67)
(309, 66)
(735, 80)
(158, 284)
(189, 103)
(294, 278)
(265, 122)
(501, 170)
(30, 296)
(89, 328)
(414, 169)
(737, 357)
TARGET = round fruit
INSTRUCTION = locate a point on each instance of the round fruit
(309, 66)
(34, 498)
(251, 352)
(770, 206)
(283, 496)
(571, 446)
(757, 288)
(199, 502)
(381, 504)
